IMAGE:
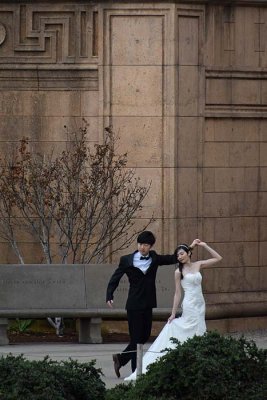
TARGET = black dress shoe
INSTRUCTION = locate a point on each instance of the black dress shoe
(117, 364)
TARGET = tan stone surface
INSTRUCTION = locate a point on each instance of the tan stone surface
(186, 192)
(183, 84)
(263, 254)
(263, 228)
(136, 91)
(263, 154)
(234, 130)
(188, 91)
(141, 139)
(230, 179)
(188, 132)
(237, 324)
(138, 34)
(237, 229)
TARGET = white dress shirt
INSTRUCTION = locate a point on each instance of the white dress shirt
(143, 265)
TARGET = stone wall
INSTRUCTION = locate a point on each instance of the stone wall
(184, 84)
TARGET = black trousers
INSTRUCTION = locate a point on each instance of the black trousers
(140, 324)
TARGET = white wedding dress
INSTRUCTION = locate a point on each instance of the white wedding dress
(192, 322)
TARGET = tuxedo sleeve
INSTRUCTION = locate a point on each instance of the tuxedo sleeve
(167, 259)
(115, 280)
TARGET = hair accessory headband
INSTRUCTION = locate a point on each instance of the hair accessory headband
(184, 247)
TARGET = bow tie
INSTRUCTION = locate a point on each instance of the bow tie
(144, 258)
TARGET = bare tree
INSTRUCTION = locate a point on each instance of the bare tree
(79, 205)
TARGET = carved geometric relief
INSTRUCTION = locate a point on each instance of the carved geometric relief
(49, 34)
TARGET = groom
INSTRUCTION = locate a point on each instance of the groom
(141, 269)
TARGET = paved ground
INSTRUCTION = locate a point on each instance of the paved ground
(102, 353)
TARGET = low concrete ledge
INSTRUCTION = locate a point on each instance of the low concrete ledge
(79, 291)
(74, 291)
(212, 312)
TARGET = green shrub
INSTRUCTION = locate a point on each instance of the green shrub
(21, 379)
(208, 367)
(118, 392)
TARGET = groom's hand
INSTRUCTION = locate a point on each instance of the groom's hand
(110, 303)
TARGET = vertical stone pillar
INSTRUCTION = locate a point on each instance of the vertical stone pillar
(190, 120)
(138, 97)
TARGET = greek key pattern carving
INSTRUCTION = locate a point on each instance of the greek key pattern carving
(50, 34)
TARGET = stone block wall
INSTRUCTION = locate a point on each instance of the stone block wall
(184, 85)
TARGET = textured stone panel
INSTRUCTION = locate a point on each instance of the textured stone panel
(42, 287)
(244, 154)
(247, 36)
(218, 91)
(57, 104)
(216, 154)
(263, 180)
(263, 253)
(263, 89)
(188, 33)
(263, 154)
(263, 278)
(186, 192)
(188, 131)
(188, 92)
(246, 203)
(230, 179)
(263, 228)
(262, 37)
(187, 230)
(235, 36)
(224, 286)
(153, 202)
(40, 103)
(53, 128)
(144, 38)
(262, 203)
(263, 130)
(247, 91)
(238, 254)
(231, 229)
(216, 204)
(136, 91)
(234, 91)
(90, 104)
(233, 130)
(142, 140)
(19, 126)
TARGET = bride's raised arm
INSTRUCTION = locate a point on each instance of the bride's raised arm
(216, 257)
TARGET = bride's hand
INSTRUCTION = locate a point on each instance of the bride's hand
(171, 318)
(198, 242)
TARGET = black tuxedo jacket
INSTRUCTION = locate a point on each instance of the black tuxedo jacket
(142, 287)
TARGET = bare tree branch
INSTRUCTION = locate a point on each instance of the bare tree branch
(80, 206)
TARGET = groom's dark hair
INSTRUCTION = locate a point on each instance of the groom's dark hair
(146, 237)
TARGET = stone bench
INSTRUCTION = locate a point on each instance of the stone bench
(73, 291)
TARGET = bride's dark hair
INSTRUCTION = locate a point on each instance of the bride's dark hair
(188, 250)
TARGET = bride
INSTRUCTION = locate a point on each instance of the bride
(192, 321)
